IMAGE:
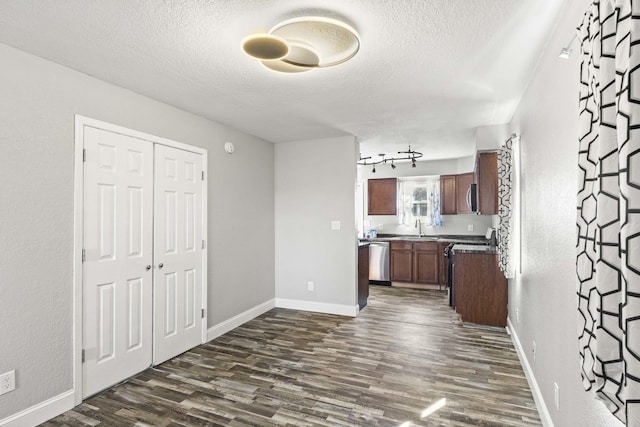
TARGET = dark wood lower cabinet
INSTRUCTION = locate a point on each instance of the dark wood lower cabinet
(401, 260)
(363, 276)
(415, 262)
(479, 289)
(426, 262)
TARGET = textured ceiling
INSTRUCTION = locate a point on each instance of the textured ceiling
(428, 71)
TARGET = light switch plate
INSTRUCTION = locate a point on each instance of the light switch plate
(335, 225)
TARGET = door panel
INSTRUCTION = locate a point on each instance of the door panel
(117, 287)
(178, 252)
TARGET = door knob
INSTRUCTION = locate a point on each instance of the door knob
(148, 267)
(160, 265)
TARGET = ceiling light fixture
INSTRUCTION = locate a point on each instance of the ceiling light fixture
(407, 155)
(265, 46)
(311, 42)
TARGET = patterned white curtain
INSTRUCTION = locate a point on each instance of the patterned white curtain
(505, 195)
(608, 223)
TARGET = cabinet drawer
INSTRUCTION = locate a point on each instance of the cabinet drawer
(426, 246)
(401, 245)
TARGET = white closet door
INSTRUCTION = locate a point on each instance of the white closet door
(177, 252)
(117, 274)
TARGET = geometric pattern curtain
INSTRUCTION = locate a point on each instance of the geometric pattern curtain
(505, 195)
(608, 206)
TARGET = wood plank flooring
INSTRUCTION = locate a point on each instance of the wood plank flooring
(406, 351)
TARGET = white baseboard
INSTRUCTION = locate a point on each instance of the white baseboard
(239, 319)
(528, 372)
(319, 307)
(43, 411)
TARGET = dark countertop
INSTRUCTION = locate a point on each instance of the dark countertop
(363, 243)
(465, 239)
(474, 249)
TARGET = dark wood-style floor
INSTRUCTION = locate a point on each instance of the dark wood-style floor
(406, 351)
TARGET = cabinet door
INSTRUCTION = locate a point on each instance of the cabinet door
(382, 196)
(401, 265)
(487, 176)
(463, 187)
(480, 289)
(426, 262)
(448, 195)
(363, 276)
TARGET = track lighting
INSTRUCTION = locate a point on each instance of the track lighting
(407, 155)
(565, 52)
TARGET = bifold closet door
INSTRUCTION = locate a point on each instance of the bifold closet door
(178, 245)
(118, 247)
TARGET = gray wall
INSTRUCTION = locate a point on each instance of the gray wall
(545, 292)
(315, 184)
(37, 107)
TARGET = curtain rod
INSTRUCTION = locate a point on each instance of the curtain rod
(513, 135)
(565, 52)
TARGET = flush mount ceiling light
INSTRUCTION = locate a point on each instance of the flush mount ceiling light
(311, 42)
(407, 155)
(265, 46)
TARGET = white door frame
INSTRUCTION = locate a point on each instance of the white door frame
(78, 207)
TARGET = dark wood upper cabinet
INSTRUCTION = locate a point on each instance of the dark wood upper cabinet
(448, 195)
(463, 188)
(454, 193)
(487, 180)
(382, 196)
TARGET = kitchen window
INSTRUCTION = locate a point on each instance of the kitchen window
(419, 198)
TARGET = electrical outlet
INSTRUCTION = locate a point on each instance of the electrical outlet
(380, 226)
(335, 225)
(7, 382)
(533, 350)
(310, 286)
(470, 227)
(556, 395)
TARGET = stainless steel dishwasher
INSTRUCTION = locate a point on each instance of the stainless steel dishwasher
(379, 263)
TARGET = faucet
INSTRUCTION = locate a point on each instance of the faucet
(419, 227)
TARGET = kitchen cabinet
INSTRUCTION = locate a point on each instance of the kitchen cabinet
(382, 196)
(363, 275)
(454, 193)
(448, 195)
(426, 262)
(479, 289)
(454, 189)
(401, 261)
(415, 262)
(486, 176)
